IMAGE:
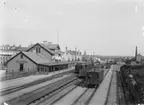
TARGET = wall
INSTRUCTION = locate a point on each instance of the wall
(14, 64)
(67, 56)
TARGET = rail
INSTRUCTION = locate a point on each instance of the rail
(59, 94)
(34, 95)
(17, 88)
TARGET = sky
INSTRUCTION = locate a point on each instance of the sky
(102, 27)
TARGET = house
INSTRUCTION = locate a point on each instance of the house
(67, 56)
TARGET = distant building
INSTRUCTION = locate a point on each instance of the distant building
(71, 55)
(139, 58)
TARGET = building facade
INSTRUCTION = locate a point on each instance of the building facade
(71, 55)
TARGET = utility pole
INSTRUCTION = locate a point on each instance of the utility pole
(57, 36)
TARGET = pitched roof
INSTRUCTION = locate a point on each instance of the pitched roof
(53, 46)
(38, 58)
(55, 63)
(35, 57)
(42, 45)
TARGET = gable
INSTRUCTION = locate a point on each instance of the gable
(19, 55)
(39, 45)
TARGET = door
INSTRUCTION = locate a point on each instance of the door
(21, 67)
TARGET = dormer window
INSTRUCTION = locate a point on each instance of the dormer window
(21, 56)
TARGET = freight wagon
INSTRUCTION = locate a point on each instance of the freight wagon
(94, 77)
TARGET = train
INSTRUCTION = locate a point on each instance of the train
(91, 73)
(94, 77)
(82, 68)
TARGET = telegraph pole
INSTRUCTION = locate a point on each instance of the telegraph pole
(57, 36)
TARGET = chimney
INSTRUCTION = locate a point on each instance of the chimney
(49, 43)
(45, 42)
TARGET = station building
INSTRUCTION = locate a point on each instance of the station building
(39, 57)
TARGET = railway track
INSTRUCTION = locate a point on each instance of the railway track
(85, 97)
(17, 88)
(57, 95)
(50, 94)
(40, 93)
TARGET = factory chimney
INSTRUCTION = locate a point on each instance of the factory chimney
(136, 53)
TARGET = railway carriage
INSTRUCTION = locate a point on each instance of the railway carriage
(94, 77)
(82, 68)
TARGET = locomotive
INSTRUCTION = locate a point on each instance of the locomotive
(91, 73)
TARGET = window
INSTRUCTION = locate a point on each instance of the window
(21, 67)
(21, 56)
(37, 50)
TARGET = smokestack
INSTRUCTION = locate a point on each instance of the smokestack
(45, 42)
(49, 43)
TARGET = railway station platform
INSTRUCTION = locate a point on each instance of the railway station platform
(24, 80)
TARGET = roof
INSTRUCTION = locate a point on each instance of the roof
(61, 52)
(43, 46)
(72, 52)
(55, 63)
(36, 57)
(53, 46)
